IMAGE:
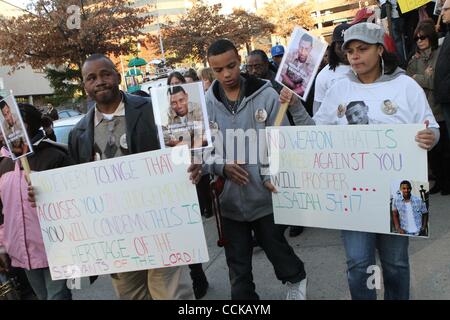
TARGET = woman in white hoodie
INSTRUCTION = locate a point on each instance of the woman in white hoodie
(379, 92)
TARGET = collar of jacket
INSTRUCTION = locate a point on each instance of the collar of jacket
(133, 111)
(426, 54)
(383, 78)
(271, 75)
(252, 84)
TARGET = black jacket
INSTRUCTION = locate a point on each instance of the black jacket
(442, 73)
(53, 114)
(141, 130)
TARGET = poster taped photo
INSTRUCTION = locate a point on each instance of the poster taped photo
(14, 133)
(301, 62)
(181, 116)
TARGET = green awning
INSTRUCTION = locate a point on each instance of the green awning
(137, 62)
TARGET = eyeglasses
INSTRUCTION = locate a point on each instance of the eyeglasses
(257, 66)
(421, 38)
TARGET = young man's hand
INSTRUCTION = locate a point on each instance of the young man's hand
(236, 173)
(269, 186)
(195, 171)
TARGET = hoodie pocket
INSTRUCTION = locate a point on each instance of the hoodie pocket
(230, 198)
(255, 195)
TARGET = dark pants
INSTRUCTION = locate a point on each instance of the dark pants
(446, 112)
(393, 251)
(46, 288)
(239, 252)
(204, 196)
(397, 35)
(439, 159)
(197, 272)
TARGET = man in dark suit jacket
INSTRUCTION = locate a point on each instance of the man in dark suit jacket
(121, 124)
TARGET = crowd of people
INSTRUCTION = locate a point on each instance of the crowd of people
(360, 55)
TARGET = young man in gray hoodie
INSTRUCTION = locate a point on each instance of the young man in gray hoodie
(241, 108)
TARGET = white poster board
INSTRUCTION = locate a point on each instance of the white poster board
(124, 214)
(341, 177)
(301, 62)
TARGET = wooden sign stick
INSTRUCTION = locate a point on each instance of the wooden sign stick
(438, 23)
(26, 168)
(280, 114)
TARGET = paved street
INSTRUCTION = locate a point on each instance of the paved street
(324, 258)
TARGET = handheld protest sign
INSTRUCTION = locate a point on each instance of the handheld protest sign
(368, 178)
(410, 5)
(181, 116)
(301, 62)
(128, 213)
(13, 129)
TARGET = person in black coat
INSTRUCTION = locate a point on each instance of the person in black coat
(442, 70)
(138, 134)
(52, 112)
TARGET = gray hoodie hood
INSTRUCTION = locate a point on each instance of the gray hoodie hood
(385, 77)
(253, 86)
(252, 201)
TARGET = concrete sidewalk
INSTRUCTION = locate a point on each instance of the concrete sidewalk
(324, 257)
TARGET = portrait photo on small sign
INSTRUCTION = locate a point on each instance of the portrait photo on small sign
(181, 116)
(409, 205)
(438, 7)
(15, 136)
(301, 62)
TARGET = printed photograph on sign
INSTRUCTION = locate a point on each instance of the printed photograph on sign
(438, 7)
(181, 116)
(348, 177)
(409, 203)
(301, 62)
(15, 136)
(362, 111)
(357, 112)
